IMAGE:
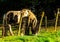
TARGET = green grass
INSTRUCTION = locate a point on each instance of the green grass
(42, 37)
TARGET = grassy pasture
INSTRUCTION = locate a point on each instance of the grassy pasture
(43, 36)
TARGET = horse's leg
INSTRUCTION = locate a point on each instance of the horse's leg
(24, 26)
(22, 29)
(10, 29)
(34, 31)
(34, 28)
(4, 29)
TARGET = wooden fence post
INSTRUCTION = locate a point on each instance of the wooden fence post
(20, 25)
(46, 23)
(41, 21)
(56, 19)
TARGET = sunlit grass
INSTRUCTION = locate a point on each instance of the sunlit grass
(42, 37)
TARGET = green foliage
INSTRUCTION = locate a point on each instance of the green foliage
(42, 37)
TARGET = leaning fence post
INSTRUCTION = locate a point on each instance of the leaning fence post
(41, 21)
(20, 24)
(56, 19)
